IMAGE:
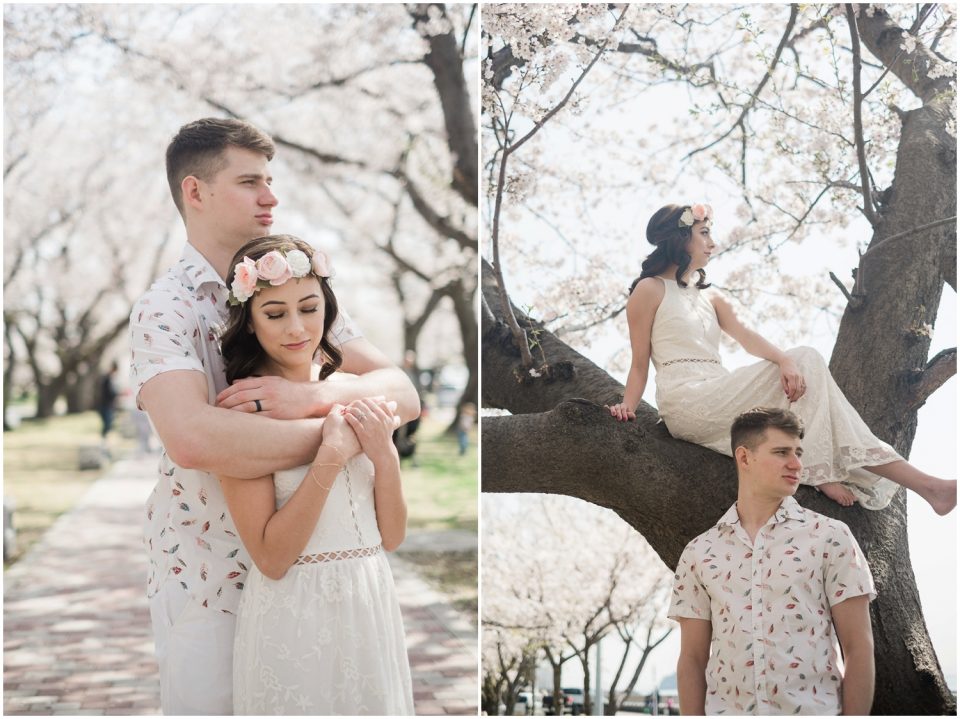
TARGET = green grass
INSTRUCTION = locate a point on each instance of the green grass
(441, 492)
(40, 460)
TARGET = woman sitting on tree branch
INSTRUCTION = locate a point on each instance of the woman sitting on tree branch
(677, 325)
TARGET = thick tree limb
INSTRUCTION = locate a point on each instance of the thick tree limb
(446, 63)
(939, 369)
(882, 36)
(501, 359)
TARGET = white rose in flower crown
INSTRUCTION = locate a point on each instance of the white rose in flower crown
(273, 267)
(244, 280)
(686, 219)
(322, 266)
(299, 263)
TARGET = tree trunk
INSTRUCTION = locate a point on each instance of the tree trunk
(446, 64)
(561, 441)
(48, 392)
(881, 350)
(10, 361)
(463, 308)
(557, 689)
(585, 663)
(490, 694)
(82, 387)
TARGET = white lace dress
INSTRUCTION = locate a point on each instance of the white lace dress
(327, 638)
(698, 398)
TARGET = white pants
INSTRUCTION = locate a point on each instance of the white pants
(195, 653)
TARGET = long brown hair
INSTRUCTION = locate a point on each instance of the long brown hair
(670, 238)
(241, 350)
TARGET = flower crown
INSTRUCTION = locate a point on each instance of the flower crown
(273, 269)
(695, 213)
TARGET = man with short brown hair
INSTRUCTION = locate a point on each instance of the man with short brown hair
(763, 596)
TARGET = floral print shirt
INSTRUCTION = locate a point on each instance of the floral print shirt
(189, 535)
(773, 648)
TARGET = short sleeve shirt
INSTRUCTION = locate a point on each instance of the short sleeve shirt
(773, 648)
(189, 534)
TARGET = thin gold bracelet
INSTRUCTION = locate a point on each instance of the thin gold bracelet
(330, 446)
(317, 481)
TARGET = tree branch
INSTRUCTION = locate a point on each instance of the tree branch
(756, 93)
(446, 63)
(441, 224)
(877, 244)
(882, 37)
(519, 335)
(854, 302)
(925, 382)
(867, 208)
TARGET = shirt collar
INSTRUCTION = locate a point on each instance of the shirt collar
(789, 509)
(197, 269)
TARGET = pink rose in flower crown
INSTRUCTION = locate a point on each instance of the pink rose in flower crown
(701, 212)
(322, 266)
(245, 280)
(274, 268)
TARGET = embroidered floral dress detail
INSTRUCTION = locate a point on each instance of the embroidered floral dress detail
(189, 535)
(698, 398)
(327, 638)
(773, 648)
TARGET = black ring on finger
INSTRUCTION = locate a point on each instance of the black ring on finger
(259, 408)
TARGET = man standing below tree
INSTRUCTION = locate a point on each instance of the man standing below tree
(758, 594)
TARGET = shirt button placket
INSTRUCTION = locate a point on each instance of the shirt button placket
(756, 600)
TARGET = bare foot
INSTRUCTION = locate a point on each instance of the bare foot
(942, 495)
(840, 494)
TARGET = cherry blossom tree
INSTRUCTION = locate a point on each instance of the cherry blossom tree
(564, 575)
(73, 263)
(828, 124)
(371, 110)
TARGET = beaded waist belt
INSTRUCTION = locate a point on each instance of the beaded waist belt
(708, 361)
(338, 555)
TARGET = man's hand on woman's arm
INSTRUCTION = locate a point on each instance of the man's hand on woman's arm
(283, 399)
(197, 435)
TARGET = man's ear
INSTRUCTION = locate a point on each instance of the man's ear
(190, 192)
(742, 456)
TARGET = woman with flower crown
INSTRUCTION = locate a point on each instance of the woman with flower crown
(318, 629)
(675, 324)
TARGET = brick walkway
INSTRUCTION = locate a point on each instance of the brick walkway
(76, 627)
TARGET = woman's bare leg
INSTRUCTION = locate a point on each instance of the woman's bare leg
(941, 494)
